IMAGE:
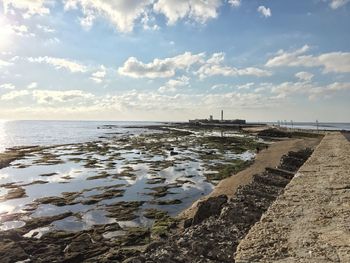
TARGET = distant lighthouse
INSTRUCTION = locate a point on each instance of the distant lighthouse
(222, 115)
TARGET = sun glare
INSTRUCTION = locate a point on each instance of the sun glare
(5, 33)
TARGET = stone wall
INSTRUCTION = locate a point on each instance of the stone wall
(310, 222)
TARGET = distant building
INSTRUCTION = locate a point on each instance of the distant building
(212, 121)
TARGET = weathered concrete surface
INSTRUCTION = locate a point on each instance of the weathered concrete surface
(310, 222)
(347, 135)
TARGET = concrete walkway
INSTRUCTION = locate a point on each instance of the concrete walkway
(347, 135)
(310, 222)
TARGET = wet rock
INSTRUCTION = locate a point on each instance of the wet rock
(168, 202)
(172, 153)
(135, 236)
(4, 217)
(10, 185)
(162, 226)
(123, 211)
(157, 180)
(34, 223)
(152, 213)
(112, 227)
(181, 182)
(102, 175)
(48, 174)
(10, 156)
(79, 244)
(56, 200)
(117, 255)
(35, 182)
(188, 222)
(10, 252)
(108, 194)
(210, 207)
(14, 194)
(293, 160)
(134, 260)
(274, 133)
(159, 191)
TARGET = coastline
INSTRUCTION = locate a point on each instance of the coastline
(137, 239)
(220, 222)
(266, 158)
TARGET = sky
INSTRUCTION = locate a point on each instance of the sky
(174, 60)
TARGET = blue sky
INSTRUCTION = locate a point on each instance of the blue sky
(261, 60)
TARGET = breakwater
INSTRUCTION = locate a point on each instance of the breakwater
(310, 221)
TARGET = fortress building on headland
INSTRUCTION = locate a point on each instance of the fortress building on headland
(222, 121)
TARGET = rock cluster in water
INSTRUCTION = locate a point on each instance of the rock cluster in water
(215, 231)
(133, 180)
(211, 236)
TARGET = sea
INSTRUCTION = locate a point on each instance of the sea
(329, 126)
(29, 133)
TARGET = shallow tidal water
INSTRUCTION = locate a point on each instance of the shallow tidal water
(88, 179)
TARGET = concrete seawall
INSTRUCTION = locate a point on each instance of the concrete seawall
(310, 221)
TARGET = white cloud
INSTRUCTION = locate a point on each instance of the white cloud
(234, 3)
(20, 30)
(8, 31)
(4, 63)
(122, 13)
(165, 68)
(45, 28)
(7, 86)
(304, 76)
(149, 22)
(159, 68)
(335, 62)
(27, 7)
(246, 86)
(199, 11)
(266, 12)
(32, 85)
(219, 86)
(52, 41)
(338, 62)
(54, 96)
(99, 75)
(60, 63)
(151, 101)
(15, 94)
(213, 67)
(312, 90)
(173, 84)
(334, 4)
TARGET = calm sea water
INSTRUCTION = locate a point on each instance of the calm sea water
(26, 133)
(321, 126)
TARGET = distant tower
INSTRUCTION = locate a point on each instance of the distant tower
(222, 115)
(211, 118)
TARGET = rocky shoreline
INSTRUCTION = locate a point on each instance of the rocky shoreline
(212, 235)
(71, 203)
(215, 231)
(32, 239)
